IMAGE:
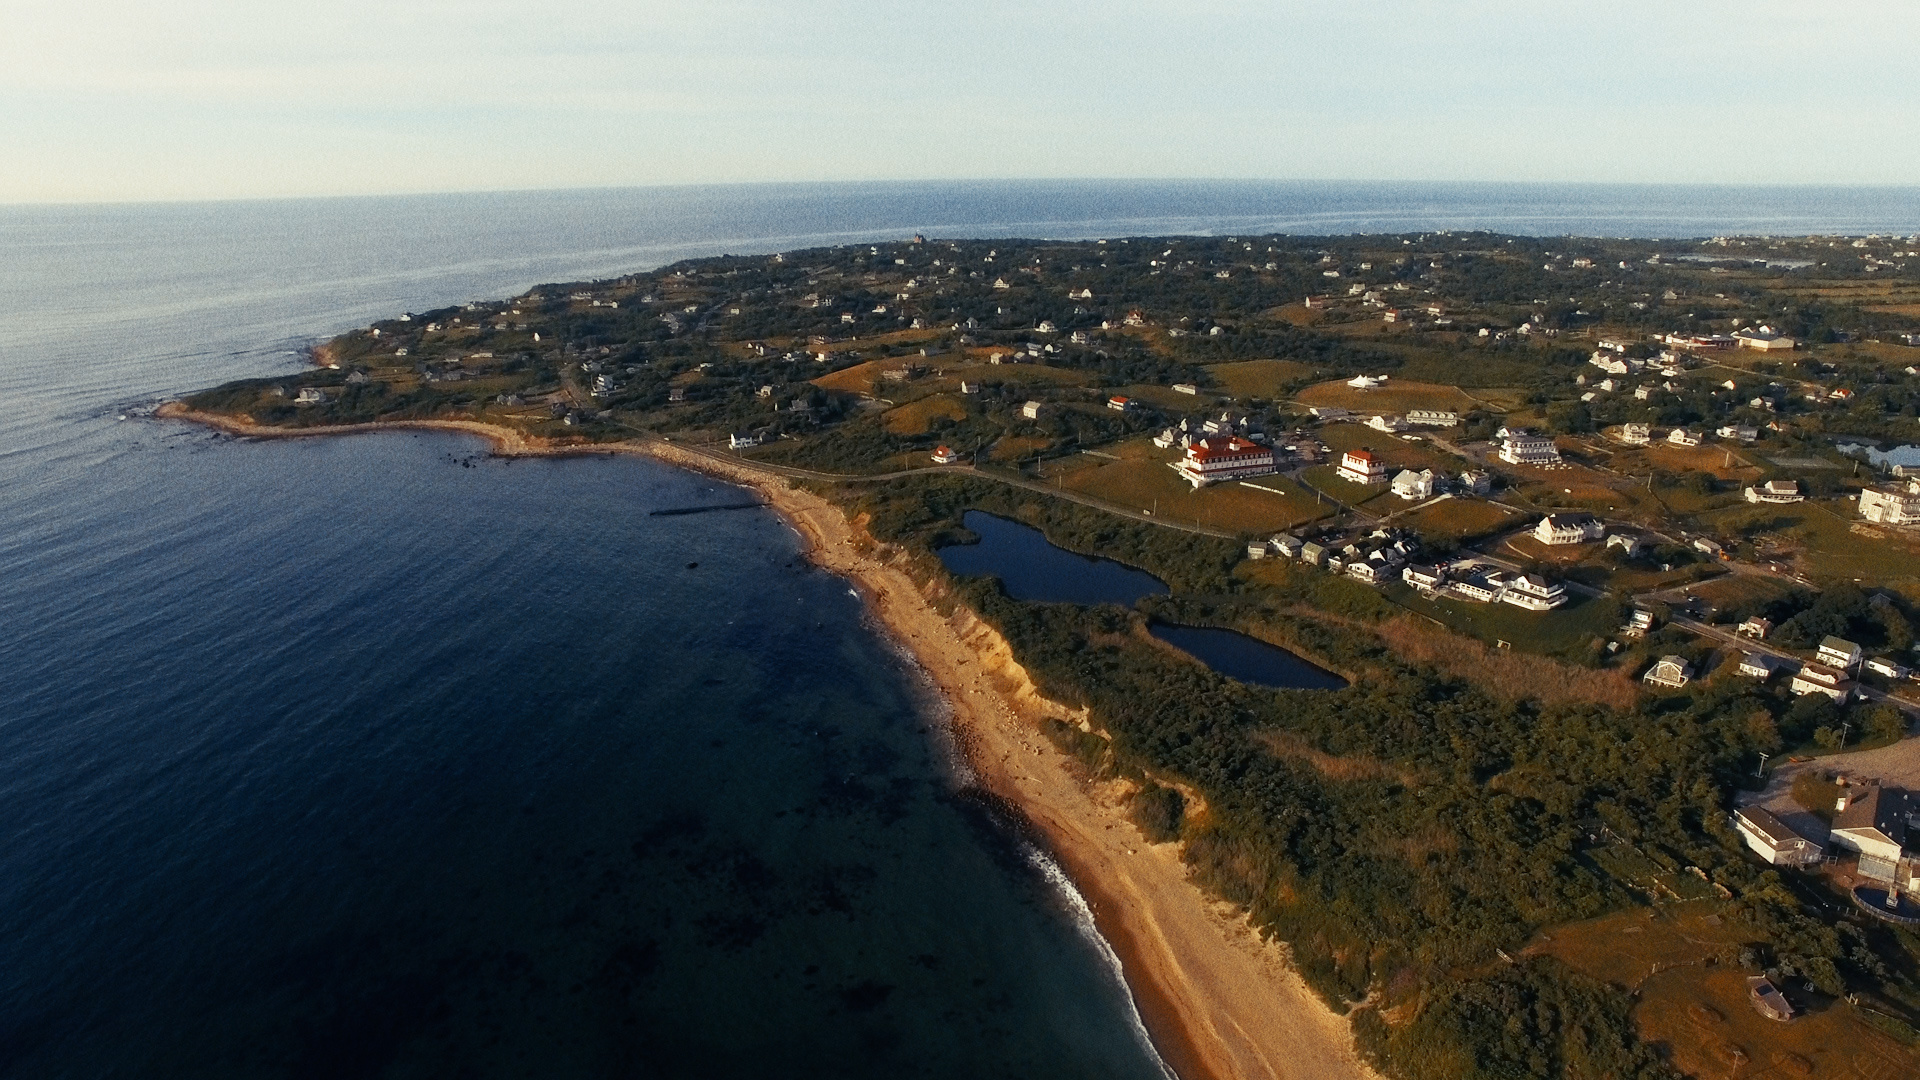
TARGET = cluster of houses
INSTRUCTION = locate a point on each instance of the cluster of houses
(1375, 559)
(1364, 467)
(1387, 555)
(1870, 819)
(1644, 435)
(1831, 672)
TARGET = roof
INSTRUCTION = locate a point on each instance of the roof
(1839, 644)
(1562, 521)
(1757, 659)
(1230, 446)
(1870, 806)
(1360, 455)
(1762, 821)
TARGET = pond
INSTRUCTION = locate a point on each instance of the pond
(1033, 569)
(1907, 456)
(1248, 659)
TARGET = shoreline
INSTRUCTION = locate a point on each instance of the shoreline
(1218, 1003)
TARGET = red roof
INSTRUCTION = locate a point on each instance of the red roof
(1360, 455)
(1231, 446)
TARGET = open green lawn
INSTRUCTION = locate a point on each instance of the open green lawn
(1559, 632)
(1137, 474)
(1832, 543)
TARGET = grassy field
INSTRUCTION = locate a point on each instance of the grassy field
(1459, 519)
(1693, 999)
(1577, 487)
(914, 417)
(1136, 475)
(1735, 589)
(1826, 542)
(1395, 397)
(1327, 478)
(1550, 633)
(1723, 461)
(1018, 447)
(1396, 452)
(1258, 378)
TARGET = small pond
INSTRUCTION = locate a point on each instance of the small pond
(1248, 659)
(1907, 456)
(1034, 569)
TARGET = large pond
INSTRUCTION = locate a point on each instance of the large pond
(1248, 659)
(1034, 569)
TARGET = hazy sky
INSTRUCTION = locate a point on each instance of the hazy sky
(203, 98)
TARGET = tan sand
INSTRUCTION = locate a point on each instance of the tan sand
(1220, 1003)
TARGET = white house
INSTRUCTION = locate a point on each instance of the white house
(1032, 409)
(1636, 434)
(1525, 448)
(1120, 404)
(1756, 665)
(1433, 418)
(1764, 339)
(1669, 671)
(1880, 665)
(1569, 529)
(1367, 382)
(1227, 457)
(742, 442)
(1891, 506)
(1475, 482)
(1757, 628)
(1871, 820)
(1478, 589)
(1632, 544)
(1771, 839)
(1186, 388)
(1534, 593)
(1361, 467)
(1774, 491)
(1286, 546)
(1425, 578)
(1389, 424)
(310, 396)
(1821, 679)
(1738, 432)
(1839, 652)
(1683, 437)
(1319, 412)
(1414, 485)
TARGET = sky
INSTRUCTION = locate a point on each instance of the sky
(121, 100)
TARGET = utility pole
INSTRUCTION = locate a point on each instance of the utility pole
(1760, 770)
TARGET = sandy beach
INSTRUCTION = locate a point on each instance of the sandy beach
(1220, 1003)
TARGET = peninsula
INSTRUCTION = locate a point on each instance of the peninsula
(1597, 531)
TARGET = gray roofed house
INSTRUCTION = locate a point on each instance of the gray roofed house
(1773, 840)
(1670, 671)
(1871, 820)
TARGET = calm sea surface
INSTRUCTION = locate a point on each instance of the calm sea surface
(378, 757)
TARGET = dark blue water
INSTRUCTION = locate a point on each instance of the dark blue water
(1248, 659)
(1031, 568)
(376, 757)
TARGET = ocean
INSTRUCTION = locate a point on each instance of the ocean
(381, 757)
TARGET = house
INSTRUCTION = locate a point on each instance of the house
(1186, 388)
(1285, 546)
(1433, 418)
(1526, 448)
(1821, 679)
(1642, 392)
(742, 442)
(1120, 404)
(1669, 671)
(1477, 588)
(1639, 622)
(1631, 544)
(1046, 327)
(1361, 467)
(310, 396)
(1328, 413)
(1637, 434)
(676, 394)
(1756, 665)
(1756, 628)
(945, 455)
(1683, 437)
(1891, 506)
(1313, 554)
(1839, 652)
(1709, 547)
(1880, 665)
(1555, 529)
(1414, 485)
(1764, 339)
(1772, 839)
(1370, 571)
(1871, 820)
(969, 387)
(1534, 593)
(1388, 424)
(1257, 549)
(1738, 432)
(1135, 318)
(1476, 482)
(1229, 457)
(1032, 409)
(1165, 438)
(1774, 491)
(1425, 578)
(1767, 999)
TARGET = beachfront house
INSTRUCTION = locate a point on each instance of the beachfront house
(1285, 546)
(1774, 840)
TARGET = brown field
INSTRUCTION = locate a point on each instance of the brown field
(914, 417)
(1395, 397)
(1508, 673)
(1016, 447)
(860, 378)
(1720, 459)
(1693, 999)
(1457, 518)
(1295, 314)
(1526, 547)
(1742, 588)
(1164, 397)
(1579, 488)
(1258, 378)
(1398, 453)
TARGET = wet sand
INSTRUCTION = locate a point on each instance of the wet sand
(1219, 1003)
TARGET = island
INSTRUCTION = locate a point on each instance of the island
(1610, 544)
